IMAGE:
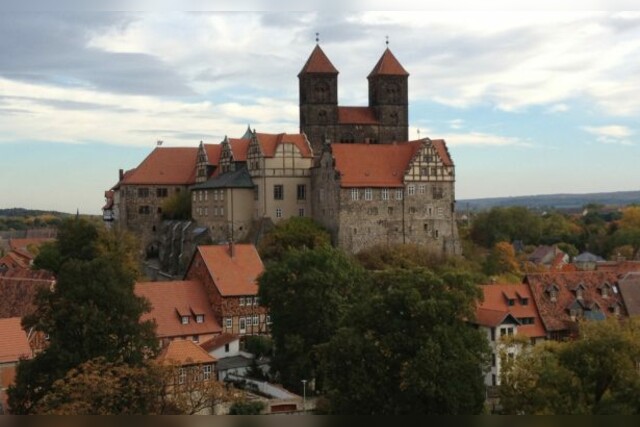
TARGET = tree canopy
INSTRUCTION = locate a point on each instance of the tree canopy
(307, 292)
(596, 374)
(293, 233)
(405, 348)
(91, 312)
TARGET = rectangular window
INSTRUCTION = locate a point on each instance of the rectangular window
(268, 319)
(241, 303)
(221, 194)
(389, 210)
(228, 322)
(222, 211)
(206, 372)
(440, 211)
(302, 192)
(278, 192)
(493, 334)
(200, 195)
(195, 338)
(256, 193)
(226, 348)
(278, 212)
(385, 194)
(144, 210)
(421, 188)
(182, 375)
(195, 196)
(354, 194)
(206, 195)
(206, 211)
(438, 193)
(256, 300)
(185, 320)
(143, 192)
(256, 320)
(411, 189)
(368, 194)
(200, 318)
(162, 192)
(215, 194)
(493, 359)
(424, 171)
(398, 194)
(301, 212)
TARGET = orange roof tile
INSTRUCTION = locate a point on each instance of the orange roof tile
(443, 151)
(388, 65)
(15, 344)
(218, 341)
(165, 165)
(357, 115)
(23, 245)
(239, 148)
(490, 317)
(373, 165)
(233, 275)
(15, 260)
(318, 63)
(184, 352)
(554, 314)
(269, 143)
(213, 153)
(171, 300)
(495, 299)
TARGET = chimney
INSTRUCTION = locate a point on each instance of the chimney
(232, 248)
(121, 174)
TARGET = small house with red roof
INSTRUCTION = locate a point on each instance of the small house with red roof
(14, 346)
(180, 309)
(507, 310)
(387, 194)
(566, 298)
(230, 274)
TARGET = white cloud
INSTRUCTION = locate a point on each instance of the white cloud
(481, 138)
(558, 108)
(456, 124)
(614, 131)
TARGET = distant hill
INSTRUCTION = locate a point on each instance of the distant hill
(553, 201)
(21, 212)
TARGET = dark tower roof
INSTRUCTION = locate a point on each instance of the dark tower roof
(388, 65)
(318, 63)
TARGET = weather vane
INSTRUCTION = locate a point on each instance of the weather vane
(387, 40)
(418, 133)
(317, 37)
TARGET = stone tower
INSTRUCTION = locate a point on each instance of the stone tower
(389, 97)
(318, 81)
(383, 121)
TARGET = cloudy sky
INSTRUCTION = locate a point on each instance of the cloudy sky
(530, 102)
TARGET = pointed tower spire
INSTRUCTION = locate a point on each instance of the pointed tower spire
(388, 65)
(318, 63)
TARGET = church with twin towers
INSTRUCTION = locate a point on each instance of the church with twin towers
(353, 169)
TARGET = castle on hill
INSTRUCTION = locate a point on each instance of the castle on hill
(351, 168)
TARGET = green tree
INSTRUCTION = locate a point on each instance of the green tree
(406, 348)
(91, 312)
(506, 224)
(177, 206)
(295, 232)
(307, 293)
(246, 408)
(98, 387)
(596, 374)
(502, 260)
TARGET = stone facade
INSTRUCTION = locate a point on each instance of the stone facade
(419, 208)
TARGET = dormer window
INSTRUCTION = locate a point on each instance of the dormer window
(552, 291)
(605, 290)
(184, 320)
(199, 318)
(524, 301)
(511, 302)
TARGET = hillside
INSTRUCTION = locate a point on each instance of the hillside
(554, 201)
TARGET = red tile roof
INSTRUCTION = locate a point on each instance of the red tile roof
(618, 266)
(496, 298)
(357, 115)
(213, 153)
(184, 352)
(218, 341)
(23, 245)
(269, 143)
(171, 300)
(318, 63)
(165, 165)
(239, 147)
(489, 317)
(373, 165)
(388, 65)
(17, 295)
(15, 344)
(233, 275)
(15, 260)
(441, 148)
(629, 287)
(555, 315)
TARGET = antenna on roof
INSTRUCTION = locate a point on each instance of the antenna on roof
(418, 133)
(317, 37)
(159, 142)
(387, 40)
